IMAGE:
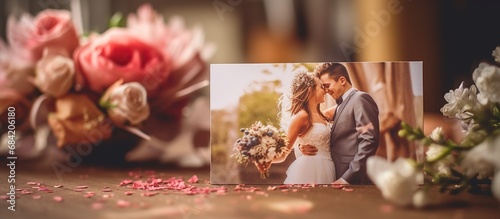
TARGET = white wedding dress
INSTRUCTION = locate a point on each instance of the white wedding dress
(318, 169)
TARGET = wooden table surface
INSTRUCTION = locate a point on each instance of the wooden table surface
(318, 202)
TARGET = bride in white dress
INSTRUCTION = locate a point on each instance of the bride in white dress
(306, 124)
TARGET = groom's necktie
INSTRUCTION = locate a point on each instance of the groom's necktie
(339, 101)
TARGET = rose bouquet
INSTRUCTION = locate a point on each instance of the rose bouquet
(96, 84)
(260, 145)
(470, 165)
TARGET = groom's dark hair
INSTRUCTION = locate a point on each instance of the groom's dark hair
(334, 71)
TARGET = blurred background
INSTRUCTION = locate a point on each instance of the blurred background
(450, 36)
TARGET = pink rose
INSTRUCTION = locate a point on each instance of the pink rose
(29, 36)
(118, 55)
(173, 39)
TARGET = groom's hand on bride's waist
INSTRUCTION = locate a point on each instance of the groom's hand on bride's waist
(308, 150)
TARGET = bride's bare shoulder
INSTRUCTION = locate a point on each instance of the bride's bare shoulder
(300, 117)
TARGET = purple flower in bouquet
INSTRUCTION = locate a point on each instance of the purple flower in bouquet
(260, 145)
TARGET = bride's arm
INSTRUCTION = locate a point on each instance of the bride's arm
(297, 125)
(330, 112)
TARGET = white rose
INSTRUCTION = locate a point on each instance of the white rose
(397, 181)
(483, 158)
(127, 103)
(55, 73)
(487, 79)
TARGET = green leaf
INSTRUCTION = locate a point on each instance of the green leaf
(117, 20)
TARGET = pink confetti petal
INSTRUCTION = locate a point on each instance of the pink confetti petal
(348, 189)
(58, 198)
(193, 179)
(123, 204)
(36, 196)
(107, 196)
(148, 194)
(107, 190)
(126, 182)
(97, 205)
(82, 187)
(89, 195)
(4, 197)
(33, 183)
(25, 192)
(386, 208)
(78, 190)
(58, 186)
(271, 188)
(338, 186)
(128, 193)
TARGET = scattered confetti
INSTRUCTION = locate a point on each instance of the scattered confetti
(193, 179)
(249, 197)
(128, 193)
(82, 187)
(4, 197)
(271, 188)
(36, 196)
(58, 186)
(33, 183)
(58, 198)
(123, 203)
(78, 190)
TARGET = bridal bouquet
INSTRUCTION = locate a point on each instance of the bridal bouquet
(260, 145)
(470, 165)
(95, 84)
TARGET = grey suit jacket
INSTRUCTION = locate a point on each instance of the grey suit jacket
(354, 137)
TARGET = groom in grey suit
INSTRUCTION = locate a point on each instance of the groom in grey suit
(355, 130)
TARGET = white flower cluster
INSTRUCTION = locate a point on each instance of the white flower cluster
(453, 166)
(460, 103)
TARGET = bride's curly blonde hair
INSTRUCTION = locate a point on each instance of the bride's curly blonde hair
(302, 89)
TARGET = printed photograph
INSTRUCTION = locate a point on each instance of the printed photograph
(311, 123)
